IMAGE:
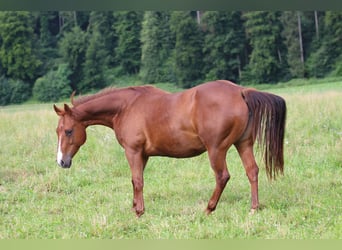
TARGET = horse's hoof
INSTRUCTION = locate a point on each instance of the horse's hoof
(253, 211)
(209, 211)
(139, 213)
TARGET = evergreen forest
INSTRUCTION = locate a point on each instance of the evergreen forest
(46, 55)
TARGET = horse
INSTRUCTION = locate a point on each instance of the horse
(211, 117)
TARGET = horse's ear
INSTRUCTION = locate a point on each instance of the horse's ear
(72, 97)
(67, 109)
(58, 110)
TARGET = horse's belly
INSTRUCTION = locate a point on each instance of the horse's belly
(180, 146)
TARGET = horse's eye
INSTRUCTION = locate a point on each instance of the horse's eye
(68, 132)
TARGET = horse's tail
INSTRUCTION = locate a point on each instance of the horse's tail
(268, 116)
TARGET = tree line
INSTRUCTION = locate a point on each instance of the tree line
(48, 54)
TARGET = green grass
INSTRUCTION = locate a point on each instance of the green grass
(39, 200)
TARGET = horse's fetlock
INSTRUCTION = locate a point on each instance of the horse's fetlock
(211, 207)
(253, 211)
(139, 212)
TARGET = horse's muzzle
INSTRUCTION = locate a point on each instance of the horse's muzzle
(65, 163)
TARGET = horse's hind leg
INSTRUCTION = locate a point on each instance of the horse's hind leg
(245, 150)
(218, 164)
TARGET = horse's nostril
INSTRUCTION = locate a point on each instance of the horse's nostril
(66, 163)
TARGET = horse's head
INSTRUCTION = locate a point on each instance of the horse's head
(71, 135)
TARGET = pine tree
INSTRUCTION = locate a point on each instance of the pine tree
(223, 44)
(327, 57)
(95, 63)
(102, 22)
(73, 49)
(99, 50)
(267, 63)
(187, 54)
(47, 31)
(18, 55)
(292, 38)
(67, 20)
(150, 62)
(307, 20)
(128, 51)
(70, 19)
(332, 41)
(156, 46)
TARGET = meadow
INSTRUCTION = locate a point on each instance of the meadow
(39, 200)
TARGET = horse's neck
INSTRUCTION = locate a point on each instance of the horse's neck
(101, 110)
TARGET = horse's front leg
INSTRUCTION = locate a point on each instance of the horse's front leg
(137, 164)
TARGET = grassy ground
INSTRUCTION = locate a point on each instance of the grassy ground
(39, 200)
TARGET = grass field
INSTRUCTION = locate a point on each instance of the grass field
(39, 200)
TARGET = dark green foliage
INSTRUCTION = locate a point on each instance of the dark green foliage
(157, 44)
(73, 50)
(47, 30)
(54, 85)
(181, 47)
(20, 91)
(99, 55)
(292, 41)
(128, 51)
(95, 63)
(266, 63)
(70, 19)
(5, 91)
(318, 63)
(328, 56)
(102, 22)
(333, 32)
(13, 91)
(187, 54)
(223, 44)
(150, 61)
(338, 67)
(67, 20)
(17, 52)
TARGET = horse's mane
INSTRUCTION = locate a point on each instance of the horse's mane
(110, 90)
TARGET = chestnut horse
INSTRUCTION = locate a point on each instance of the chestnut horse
(210, 117)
